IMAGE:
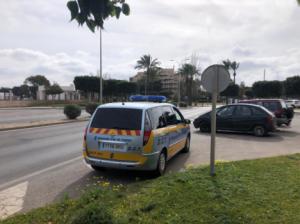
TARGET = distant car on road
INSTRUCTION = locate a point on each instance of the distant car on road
(293, 103)
(283, 113)
(135, 136)
(240, 118)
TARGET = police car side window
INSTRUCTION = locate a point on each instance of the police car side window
(179, 116)
(157, 117)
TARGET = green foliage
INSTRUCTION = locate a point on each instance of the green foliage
(151, 70)
(54, 90)
(72, 111)
(188, 71)
(22, 91)
(111, 87)
(292, 86)
(91, 107)
(227, 64)
(250, 191)
(266, 89)
(94, 213)
(94, 12)
(183, 104)
(231, 91)
(37, 80)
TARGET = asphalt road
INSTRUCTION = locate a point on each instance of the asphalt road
(8, 116)
(48, 161)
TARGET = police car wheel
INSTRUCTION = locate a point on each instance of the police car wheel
(186, 148)
(161, 165)
(98, 168)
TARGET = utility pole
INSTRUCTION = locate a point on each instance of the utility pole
(100, 71)
(264, 74)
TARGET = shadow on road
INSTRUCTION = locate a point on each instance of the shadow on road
(115, 177)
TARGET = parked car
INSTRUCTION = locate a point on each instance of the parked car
(239, 118)
(283, 113)
(293, 103)
(135, 136)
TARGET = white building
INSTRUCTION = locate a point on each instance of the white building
(69, 93)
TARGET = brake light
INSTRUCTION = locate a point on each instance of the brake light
(270, 120)
(146, 138)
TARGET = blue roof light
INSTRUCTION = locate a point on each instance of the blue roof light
(140, 98)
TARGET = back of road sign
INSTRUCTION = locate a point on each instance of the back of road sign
(215, 78)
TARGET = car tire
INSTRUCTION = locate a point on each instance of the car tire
(259, 131)
(98, 168)
(187, 146)
(161, 165)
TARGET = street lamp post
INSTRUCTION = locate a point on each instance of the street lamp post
(100, 70)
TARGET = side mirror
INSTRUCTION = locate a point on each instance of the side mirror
(187, 121)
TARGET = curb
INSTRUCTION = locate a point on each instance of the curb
(43, 125)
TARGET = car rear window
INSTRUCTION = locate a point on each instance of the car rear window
(272, 106)
(117, 118)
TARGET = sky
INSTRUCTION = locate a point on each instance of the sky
(37, 37)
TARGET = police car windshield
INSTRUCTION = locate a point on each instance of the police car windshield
(117, 118)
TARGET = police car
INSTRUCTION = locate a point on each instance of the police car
(135, 136)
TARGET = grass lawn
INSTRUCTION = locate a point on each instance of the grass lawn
(254, 191)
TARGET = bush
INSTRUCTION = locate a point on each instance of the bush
(91, 107)
(72, 111)
(183, 104)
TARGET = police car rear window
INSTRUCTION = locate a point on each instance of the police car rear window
(117, 118)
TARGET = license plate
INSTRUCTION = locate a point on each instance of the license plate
(112, 146)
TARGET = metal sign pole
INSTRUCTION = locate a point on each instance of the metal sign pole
(213, 134)
(214, 123)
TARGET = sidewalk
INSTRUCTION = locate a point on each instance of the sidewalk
(33, 124)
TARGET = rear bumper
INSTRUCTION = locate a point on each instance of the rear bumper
(150, 162)
(281, 121)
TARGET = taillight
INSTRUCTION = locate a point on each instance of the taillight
(270, 120)
(146, 137)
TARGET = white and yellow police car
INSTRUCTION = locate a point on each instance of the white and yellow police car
(135, 136)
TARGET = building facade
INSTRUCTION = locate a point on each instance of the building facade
(168, 78)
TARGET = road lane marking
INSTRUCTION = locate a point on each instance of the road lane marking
(12, 199)
(26, 177)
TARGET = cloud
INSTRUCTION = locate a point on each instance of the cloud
(17, 64)
(37, 37)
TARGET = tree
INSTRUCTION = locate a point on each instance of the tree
(292, 86)
(188, 71)
(87, 84)
(227, 64)
(150, 67)
(265, 89)
(231, 91)
(93, 13)
(22, 91)
(55, 89)
(234, 66)
(37, 80)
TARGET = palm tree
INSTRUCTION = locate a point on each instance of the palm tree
(93, 13)
(234, 66)
(227, 64)
(188, 71)
(150, 67)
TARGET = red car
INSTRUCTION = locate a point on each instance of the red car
(278, 107)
